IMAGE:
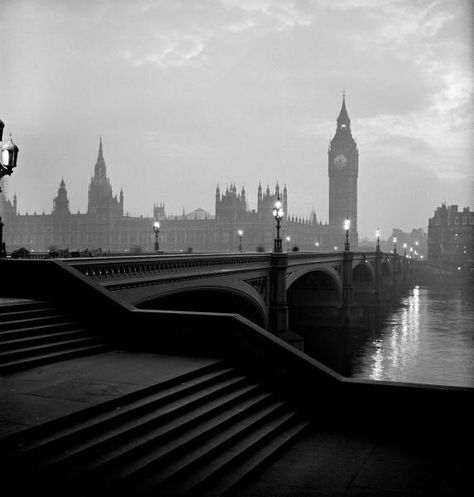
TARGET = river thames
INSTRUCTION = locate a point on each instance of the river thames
(427, 338)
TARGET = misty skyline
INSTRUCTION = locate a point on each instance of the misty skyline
(190, 94)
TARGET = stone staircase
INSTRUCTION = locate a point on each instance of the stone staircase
(199, 433)
(33, 333)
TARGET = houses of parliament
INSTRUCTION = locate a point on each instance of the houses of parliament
(105, 226)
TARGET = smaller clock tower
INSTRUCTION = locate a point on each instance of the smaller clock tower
(343, 169)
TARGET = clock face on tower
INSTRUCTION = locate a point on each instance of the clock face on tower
(340, 160)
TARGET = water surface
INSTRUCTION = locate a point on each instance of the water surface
(427, 338)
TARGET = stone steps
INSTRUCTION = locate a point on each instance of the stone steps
(34, 333)
(175, 437)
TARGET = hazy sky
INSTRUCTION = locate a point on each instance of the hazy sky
(190, 93)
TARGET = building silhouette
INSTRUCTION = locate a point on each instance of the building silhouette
(451, 236)
(343, 169)
(105, 225)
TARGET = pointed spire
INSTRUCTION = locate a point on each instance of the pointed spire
(343, 120)
(62, 184)
(101, 153)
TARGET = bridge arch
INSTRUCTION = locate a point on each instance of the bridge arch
(314, 297)
(363, 281)
(386, 269)
(208, 299)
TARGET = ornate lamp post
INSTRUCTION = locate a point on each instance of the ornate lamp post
(9, 155)
(377, 237)
(278, 215)
(394, 245)
(347, 226)
(288, 239)
(411, 252)
(156, 229)
(316, 244)
(404, 250)
(240, 233)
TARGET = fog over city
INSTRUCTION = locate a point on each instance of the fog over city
(190, 94)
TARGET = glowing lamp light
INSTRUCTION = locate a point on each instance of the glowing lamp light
(9, 154)
(156, 225)
(404, 245)
(240, 232)
(394, 239)
(277, 210)
(377, 233)
(347, 224)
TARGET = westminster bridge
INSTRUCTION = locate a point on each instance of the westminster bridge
(276, 291)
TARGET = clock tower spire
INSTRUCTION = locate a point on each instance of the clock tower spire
(343, 170)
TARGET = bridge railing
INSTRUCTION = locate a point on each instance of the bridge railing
(112, 268)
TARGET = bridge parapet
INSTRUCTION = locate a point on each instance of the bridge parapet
(119, 268)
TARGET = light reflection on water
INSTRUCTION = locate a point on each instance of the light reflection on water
(429, 339)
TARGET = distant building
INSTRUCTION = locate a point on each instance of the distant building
(343, 170)
(451, 236)
(105, 225)
(417, 240)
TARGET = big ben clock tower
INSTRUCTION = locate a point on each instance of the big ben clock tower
(343, 169)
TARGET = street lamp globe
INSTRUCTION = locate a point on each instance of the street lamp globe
(9, 154)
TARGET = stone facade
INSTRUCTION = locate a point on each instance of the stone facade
(343, 170)
(451, 236)
(105, 225)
